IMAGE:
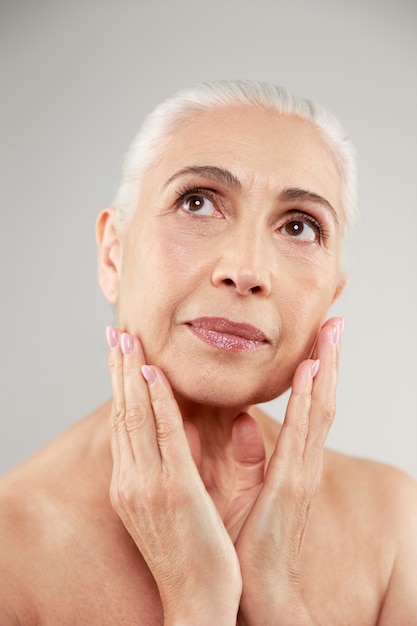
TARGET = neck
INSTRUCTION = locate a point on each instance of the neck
(209, 429)
(209, 432)
(214, 423)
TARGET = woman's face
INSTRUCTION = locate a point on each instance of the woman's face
(232, 258)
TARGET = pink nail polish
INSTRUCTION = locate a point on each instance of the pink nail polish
(111, 336)
(315, 367)
(126, 343)
(336, 333)
(148, 374)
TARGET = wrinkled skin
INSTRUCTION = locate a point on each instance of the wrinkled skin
(233, 226)
(196, 507)
(162, 500)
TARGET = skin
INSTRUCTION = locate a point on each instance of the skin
(242, 243)
(195, 507)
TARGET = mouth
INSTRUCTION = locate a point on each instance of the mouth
(227, 335)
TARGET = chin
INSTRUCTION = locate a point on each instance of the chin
(224, 380)
(223, 394)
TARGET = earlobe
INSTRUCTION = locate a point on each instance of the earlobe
(108, 243)
(340, 287)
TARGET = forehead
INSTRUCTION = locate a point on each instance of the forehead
(260, 146)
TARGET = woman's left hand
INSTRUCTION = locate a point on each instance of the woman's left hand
(270, 540)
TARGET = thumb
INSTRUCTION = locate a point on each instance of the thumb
(194, 442)
(248, 451)
(249, 456)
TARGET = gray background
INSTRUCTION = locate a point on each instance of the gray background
(76, 80)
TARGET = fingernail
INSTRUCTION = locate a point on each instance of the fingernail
(342, 326)
(148, 374)
(315, 367)
(111, 336)
(126, 343)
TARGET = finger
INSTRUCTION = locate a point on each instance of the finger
(323, 397)
(139, 420)
(171, 438)
(330, 323)
(119, 439)
(291, 443)
(249, 456)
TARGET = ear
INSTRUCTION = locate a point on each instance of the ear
(109, 254)
(340, 287)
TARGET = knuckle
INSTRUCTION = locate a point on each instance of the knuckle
(166, 429)
(328, 412)
(299, 484)
(113, 364)
(303, 396)
(299, 428)
(123, 496)
(135, 417)
(299, 489)
(118, 418)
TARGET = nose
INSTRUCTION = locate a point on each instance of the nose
(243, 266)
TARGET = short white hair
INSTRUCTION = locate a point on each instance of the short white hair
(225, 94)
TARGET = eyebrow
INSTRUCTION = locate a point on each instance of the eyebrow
(218, 174)
(295, 193)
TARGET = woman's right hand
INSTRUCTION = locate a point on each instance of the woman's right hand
(157, 492)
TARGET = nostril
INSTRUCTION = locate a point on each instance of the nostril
(242, 287)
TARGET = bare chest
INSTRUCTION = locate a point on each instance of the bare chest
(97, 577)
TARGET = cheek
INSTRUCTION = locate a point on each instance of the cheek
(310, 282)
(303, 307)
(179, 263)
(157, 274)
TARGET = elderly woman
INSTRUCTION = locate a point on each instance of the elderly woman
(223, 256)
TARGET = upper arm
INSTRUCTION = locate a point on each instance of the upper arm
(400, 604)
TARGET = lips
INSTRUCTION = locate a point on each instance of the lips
(227, 335)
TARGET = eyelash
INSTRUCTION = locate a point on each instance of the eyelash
(188, 190)
(305, 217)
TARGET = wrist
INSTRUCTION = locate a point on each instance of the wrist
(287, 617)
(203, 600)
(191, 613)
(217, 617)
(271, 611)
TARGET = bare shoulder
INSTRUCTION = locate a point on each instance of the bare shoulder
(39, 501)
(371, 485)
(14, 602)
(374, 496)
(379, 504)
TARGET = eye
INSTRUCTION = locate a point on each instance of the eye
(199, 204)
(202, 202)
(302, 228)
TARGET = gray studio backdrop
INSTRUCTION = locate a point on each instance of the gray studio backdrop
(76, 80)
